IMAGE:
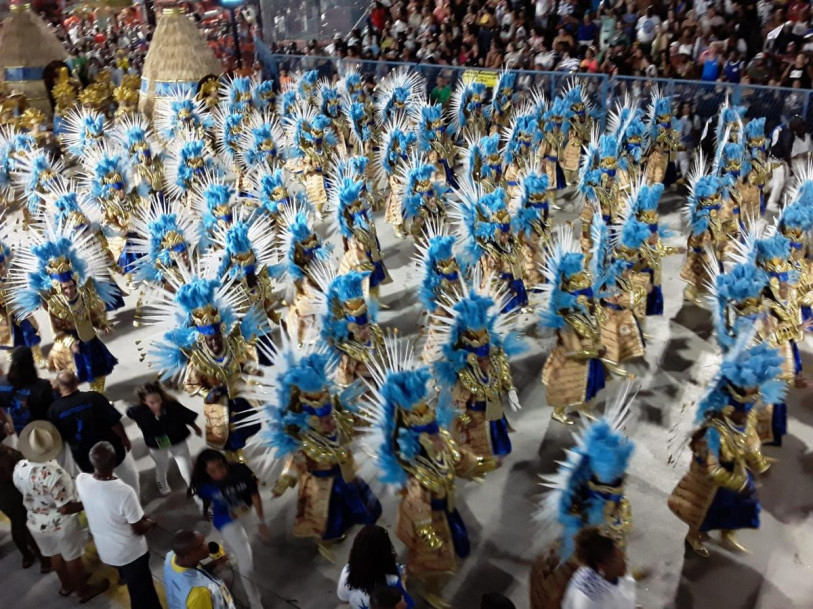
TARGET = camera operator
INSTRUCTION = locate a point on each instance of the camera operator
(188, 584)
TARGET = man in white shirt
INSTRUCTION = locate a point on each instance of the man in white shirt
(53, 509)
(602, 582)
(645, 30)
(118, 525)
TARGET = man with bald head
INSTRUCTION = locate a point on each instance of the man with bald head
(85, 418)
(118, 525)
(188, 585)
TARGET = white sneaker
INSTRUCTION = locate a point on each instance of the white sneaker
(163, 488)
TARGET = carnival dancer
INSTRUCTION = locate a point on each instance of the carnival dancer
(349, 326)
(301, 251)
(227, 130)
(580, 118)
(556, 120)
(491, 245)
(522, 137)
(586, 491)
(631, 146)
(473, 370)
(312, 140)
(599, 186)
(752, 189)
(108, 178)
(310, 425)
(468, 108)
(398, 93)
(246, 250)
(14, 332)
(708, 222)
(574, 373)
(731, 166)
(65, 273)
(36, 173)
(204, 342)
(181, 116)
(264, 96)
(307, 88)
(434, 140)
(354, 218)
(397, 144)
(484, 163)
(237, 94)
(363, 139)
(416, 454)
(189, 159)
(144, 153)
(664, 141)
(795, 222)
(330, 105)
(216, 202)
(261, 145)
(82, 130)
(421, 195)
(531, 223)
(441, 281)
(271, 191)
(718, 492)
(500, 109)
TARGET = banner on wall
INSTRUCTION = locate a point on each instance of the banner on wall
(487, 77)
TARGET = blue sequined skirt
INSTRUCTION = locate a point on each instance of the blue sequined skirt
(239, 410)
(797, 358)
(732, 510)
(779, 423)
(351, 503)
(378, 275)
(93, 360)
(451, 180)
(460, 536)
(654, 301)
(519, 295)
(500, 442)
(807, 313)
(561, 182)
(25, 334)
(671, 174)
(129, 256)
(596, 378)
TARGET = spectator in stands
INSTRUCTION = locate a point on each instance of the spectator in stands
(587, 31)
(710, 62)
(645, 29)
(733, 67)
(757, 71)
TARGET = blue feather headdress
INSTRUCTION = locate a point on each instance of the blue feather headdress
(306, 86)
(745, 368)
(633, 140)
(395, 147)
(108, 173)
(563, 263)
(180, 113)
(272, 190)
(83, 129)
(346, 307)
(502, 94)
(237, 94)
(591, 477)
(659, 116)
(300, 245)
(439, 250)
(467, 99)
(362, 122)
(56, 254)
(187, 166)
(264, 95)
(261, 143)
(330, 101)
(523, 137)
(398, 92)
(755, 136)
(287, 103)
(558, 116)
(431, 126)
(352, 209)
(215, 201)
(533, 203)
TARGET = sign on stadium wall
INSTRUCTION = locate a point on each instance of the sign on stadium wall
(487, 77)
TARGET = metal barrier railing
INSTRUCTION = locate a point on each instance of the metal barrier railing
(774, 103)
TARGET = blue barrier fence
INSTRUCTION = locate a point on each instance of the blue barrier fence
(774, 103)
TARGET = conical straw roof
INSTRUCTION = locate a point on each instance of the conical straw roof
(27, 45)
(26, 41)
(178, 55)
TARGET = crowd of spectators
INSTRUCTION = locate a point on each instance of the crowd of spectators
(766, 43)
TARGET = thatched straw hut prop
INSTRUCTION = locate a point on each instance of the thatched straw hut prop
(27, 45)
(178, 58)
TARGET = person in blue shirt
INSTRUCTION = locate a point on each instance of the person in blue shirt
(229, 494)
(24, 397)
(733, 67)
